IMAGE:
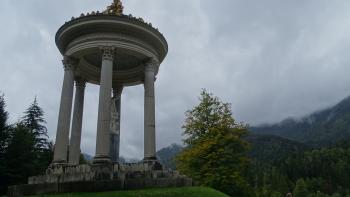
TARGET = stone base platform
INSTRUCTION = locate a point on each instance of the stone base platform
(97, 178)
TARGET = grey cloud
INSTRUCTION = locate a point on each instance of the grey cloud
(270, 59)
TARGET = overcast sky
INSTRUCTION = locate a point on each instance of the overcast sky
(271, 59)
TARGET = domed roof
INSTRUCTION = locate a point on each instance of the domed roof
(134, 40)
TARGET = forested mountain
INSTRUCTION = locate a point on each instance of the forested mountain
(319, 129)
(267, 148)
(167, 155)
(270, 149)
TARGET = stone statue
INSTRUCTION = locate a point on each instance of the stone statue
(115, 129)
(114, 116)
(116, 8)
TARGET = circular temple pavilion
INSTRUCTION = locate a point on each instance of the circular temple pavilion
(114, 51)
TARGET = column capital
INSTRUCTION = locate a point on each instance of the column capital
(69, 63)
(108, 52)
(151, 64)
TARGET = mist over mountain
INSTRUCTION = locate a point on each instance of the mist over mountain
(167, 155)
(273, 142)
(267, 148)
(322, 128)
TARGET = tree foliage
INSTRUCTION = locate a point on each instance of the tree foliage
(210, 113)
(34, 121)
(20, 155)
(216, 152)
(300, 189)
(325, 171)
(25, 150)
(5, 134)
(4, 127)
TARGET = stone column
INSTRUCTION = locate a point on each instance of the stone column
(62, 135)
(115, 124)
(75, 139)
(149, 112)
(104, 108)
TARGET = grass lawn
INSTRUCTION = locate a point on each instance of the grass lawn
(168, 192)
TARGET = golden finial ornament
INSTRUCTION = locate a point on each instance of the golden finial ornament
(116, 8)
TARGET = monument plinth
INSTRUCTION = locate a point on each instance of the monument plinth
(114, 51)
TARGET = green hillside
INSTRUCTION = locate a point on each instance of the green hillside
(271, 149)
(173, 192)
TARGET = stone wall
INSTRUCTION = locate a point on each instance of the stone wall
(95, 178)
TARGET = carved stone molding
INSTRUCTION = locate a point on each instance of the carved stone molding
(151, 65)
(108, 52)
(69, 63)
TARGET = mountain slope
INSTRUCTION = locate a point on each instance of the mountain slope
(270, 149)
(266, 148)
(321, 128)
(167, 155)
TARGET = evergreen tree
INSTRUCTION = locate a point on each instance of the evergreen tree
(20, 155)
(44, 158)
(216, 152)
(4, 128)
(5, 134)
(300, 189)
(336, 195)
(320, 194)
(23, 158)
(276, 194)
(28, 152)
(34, 120)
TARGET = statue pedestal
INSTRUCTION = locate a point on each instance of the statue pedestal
(98, 177)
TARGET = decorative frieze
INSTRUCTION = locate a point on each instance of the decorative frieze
(151, 65)
(108, 52)
(69, 63)
(115, 9)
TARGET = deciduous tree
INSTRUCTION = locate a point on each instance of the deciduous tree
(300, 189)
(216, 151)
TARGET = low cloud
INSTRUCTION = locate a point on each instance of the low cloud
(270, 59)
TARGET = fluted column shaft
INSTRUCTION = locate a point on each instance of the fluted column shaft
(149, 112)
(104, 109)
(62, 135)
(74, 146)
